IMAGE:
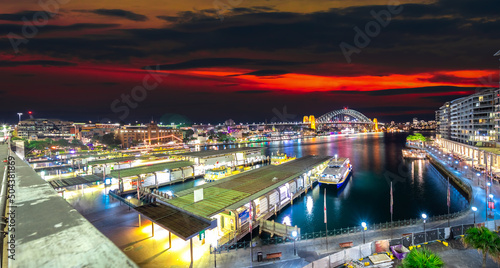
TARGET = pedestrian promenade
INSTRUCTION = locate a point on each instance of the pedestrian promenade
(120, 224)
(314, 249)
(45, 231)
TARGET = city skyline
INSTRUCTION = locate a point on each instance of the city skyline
(208, 62)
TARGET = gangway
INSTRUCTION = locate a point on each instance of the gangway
(276, 228)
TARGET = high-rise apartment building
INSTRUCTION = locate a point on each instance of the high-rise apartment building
(469, 120)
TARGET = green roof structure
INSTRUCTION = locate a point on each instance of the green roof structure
(136, 171)
(235, 191)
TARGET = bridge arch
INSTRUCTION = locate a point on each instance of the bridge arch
(353, 113)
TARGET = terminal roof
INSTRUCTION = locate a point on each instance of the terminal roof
(237, 190)
(211, 153)
(112, 160)
(176, 221)
(136, 171)
(75, 181)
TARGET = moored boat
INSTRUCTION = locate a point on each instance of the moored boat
(217, 173)
(414, 154)
(279, 159)
(337, 172)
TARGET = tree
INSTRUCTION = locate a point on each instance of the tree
(416, 137)
(422, 258)
(62, 142)
(110, 140)
(188, 133)
(75, 143)
(484, 240)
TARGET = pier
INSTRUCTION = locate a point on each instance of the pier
(251, 196)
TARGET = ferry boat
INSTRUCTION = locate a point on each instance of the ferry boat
(337, 172)
(217, 173)
(414, 154)
(348, 131)
(279, 159)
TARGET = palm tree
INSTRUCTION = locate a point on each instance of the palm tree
(484, 240)
(422, 258)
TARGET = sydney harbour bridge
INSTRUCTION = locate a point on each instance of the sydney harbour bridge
(342, 118)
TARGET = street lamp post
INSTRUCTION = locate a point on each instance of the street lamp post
(363, 224)
(490, 207)
(294, 234)
(474, 209)
(424, 216)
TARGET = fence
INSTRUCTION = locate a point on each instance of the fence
(365, 250)
(431, 235)
(357, 229)
(417, 238)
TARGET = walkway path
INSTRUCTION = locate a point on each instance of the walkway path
(310, 250)
(120, 225)
(48, 232)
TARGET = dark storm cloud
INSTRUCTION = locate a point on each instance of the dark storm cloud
(253, 91)
(469, 8)
(268, 72)
(101, 49)
(191, 16)
(218, 62)
(28, 15)
(442, 99)
(24, 75)
(421, 34)
(427, 35)
(211, 15)
(120, 13)
(248, 10)
(36, 62)
(17, 28)
(91, 84)
(419, 90)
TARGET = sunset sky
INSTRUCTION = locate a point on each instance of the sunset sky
(240, 59)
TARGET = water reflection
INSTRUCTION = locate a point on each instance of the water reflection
(309, 205)
(376, 160)
(287, 221)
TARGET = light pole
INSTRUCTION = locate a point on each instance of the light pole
(490, 204)
(19, 116)
(424, 216)
(294, 235)
(474, 209)
(363, 224)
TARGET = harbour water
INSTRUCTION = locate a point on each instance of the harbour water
(376, 159)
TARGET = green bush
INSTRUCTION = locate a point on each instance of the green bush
(422, 258)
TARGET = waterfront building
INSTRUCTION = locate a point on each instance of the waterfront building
(39, 129)
(469, 120)
(149, 134)
(443, 121)
(86, 131)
